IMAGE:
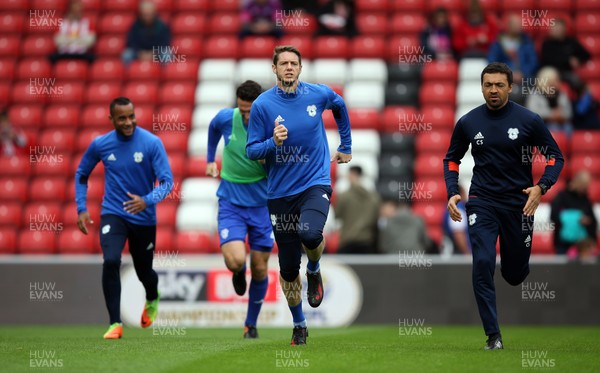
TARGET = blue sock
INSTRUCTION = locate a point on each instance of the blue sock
(256, 294)
(312, 267)
(298, 315)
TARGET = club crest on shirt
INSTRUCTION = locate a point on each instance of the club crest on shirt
(312, 110)
(513, 133)
(138, 157)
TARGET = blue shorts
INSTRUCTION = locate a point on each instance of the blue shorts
(235, 222)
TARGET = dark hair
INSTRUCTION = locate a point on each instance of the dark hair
(285, 48)
(498, 67)
(356, 169)
(248, 90)
(121, 101)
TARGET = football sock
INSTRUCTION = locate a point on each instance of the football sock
(298, 315)
(312, 267)
(256, 295)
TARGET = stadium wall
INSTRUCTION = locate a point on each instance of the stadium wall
(360, 289)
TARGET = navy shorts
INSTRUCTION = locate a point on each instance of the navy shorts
(235, 222)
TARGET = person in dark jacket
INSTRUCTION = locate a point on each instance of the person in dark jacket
(149, 38)
(436, 38)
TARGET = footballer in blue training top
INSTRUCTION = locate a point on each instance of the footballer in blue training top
(286, 130)
(504, 138)
(134, 159)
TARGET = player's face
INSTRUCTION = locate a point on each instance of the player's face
(495, 90)
(123, 118)
(288, 69)
(244, 107)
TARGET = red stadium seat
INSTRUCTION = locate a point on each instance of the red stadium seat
(36, 242)
(110, 45)
(594, 88)
(440, 71)
(143, 70)
(562, 141)
(453, 6)
(8, 237)
(441, 117)
(402, 46)
(188, 46)
(165, 242)
(224, 23)
(12, 22)
(9, 46)
(518, 5)
(393, 116)
(302, 42)
(47, 189)
(86, 136)
(69, 92)
(174, 141)
(432, 213)
(560, 5)
(590, 71)
(92, 5)
(15, 166)
(434, 142)
(331, 47)
(437, 93)
(144, 114)
(166, 213)
(70, 215)
(4, 91)
(95, 115)
(8, 68)
(116, 23)
(221, 47)
(177, 93)
(177, 162)
(62, 116)
(196, 242)
(556, 188)
(372, 23)
(14, 5)
(586, 142)
(11, 214)
(543, 243)
(32, 68)
(587, 5)
(38, 46)
(372, 6)
(232, 6)
(297, 23)
(433, 188)
(332, 243)
(368, 47)
(28, 116)
(187, 71)
(59, 140)
(58, 5)
(428, 165)
(594, 191)
(95, 185)
(124, 5)
(587, 22)
(107, 69)
(39, 212)
(13, 189)
(164, 6)
(408, 5)
(70, 69)
(489, 6)
(592, 44)
(102, 92)
(73, 241)
(407, 23)
(173, 118)
(197, 166)
(189, 23)
(191, 5)
(258, 46)
(141, 92)
(365, 118)
(582, 162)
(58, 164)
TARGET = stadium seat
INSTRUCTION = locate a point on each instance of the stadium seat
(95, 115)
(190, 47)
(4, 90)
(590, 72)
(107, 69)
(218, 70)
(437, 93)
(174, 141)
(8, 67)
(587, 5)
(221, 47)
(190, 6)
(187, 71)
(304, 44)
(54, 165)
(372, 6)
(587, 22)
(28, 116)
(175, 118)
(365, 141)
(143, 70)
(8, 237)
(368, 47)
(67, 93)
(395, 166)
(369, 163)
(582, 162)
(11, 214)
(34, 68)
(365, 119)
(394, 115)
(331, 47)
(15, 166)
(9, 5)
(203, 115)
(73, 241)
(102, 92)
(330, 71)
(57, 141)
(562, 141)
(166, 214)
(401, 47)
(200, 189)
(232, 6)
(469, 94)
(9, 46)
(196, 166)
(592, 44)
(36, 242)
(407, 23)
(71, 70)
(110, 46)
(408, 6)
(87, 135)
(585, 142)
(224, 23)
(177, 93)
(164, 243)
(39, 46)
(428, 165)
(141, 92)
(373, 70)
(431, 189)
(40, 212)
(543, 243)
(144, 114)
(189, 23)
(440, 71)
(47, 189)
(13, 189)
(69, 215)
(196, 242)
(364, 95)
(215, 93)
(403, 73)
(258, 47)
(402, 94)
(559, 5)
(200, 216)
(372, 23)
(255, 69)
(197, 143)
(115, 22)
(518, 5)
(453, 6)
(441, 117)
(432, 213)
(433, 142)
(12, 22)
(470, 69)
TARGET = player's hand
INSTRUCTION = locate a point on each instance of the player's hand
(212, 169)
(82, 220)
(533, 201)
(280, 133)
(341, 158)
(453, 208)
(135, 205)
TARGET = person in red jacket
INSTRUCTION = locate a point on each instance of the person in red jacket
(475, 33)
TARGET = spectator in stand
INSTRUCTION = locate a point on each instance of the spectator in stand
(358, 210)
(11, 139)
(456, 232)
(75, 37)
(402, 231)
(303, 5)
(259, 17)
(515, 48)
(336, 17)
(550, 102)
(148, 38)
(563, 52)
(585, 108)
(436, 38)
(573, 215)
(475, 33)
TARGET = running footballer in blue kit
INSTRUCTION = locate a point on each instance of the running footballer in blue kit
(286, 130)
(134, 159)
(242, 203)
(503, 197)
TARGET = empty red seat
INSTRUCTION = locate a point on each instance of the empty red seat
(196, 166)
(86, 136)
(38, 46)
(302, 42)
(190, 5)
(518, 5)
(331, 47)
(187, 71)
(224, 23)
(587, 5)
(437, 93)
(177, 93)
(489, 5)
(13, 189)
(173, 118)
(587, 142)
(36, 242)
(141, 92)
(62, 116)
(71, 69)
(57, 140)
(543, 243)
(41, 214)
(453, 6)
(393, 116)
(144, 113)
(434, 142)
(432, 188)
(165, 243)
(73, 241)
(125, 5)
(221, 47)
(143, 70)
(102, 92)
(95, 115)
(196, 242)
(9, 46)
(28, 116)
(11, 22)
(14, 5)
(69, 92)
(4, 91)
(107, 69)
(166, 212)
(8, 67)
(232, 6)
(110, 45)
(11, 214)
(116, 23)
(432, 213)
(587, 22)
(428, 165)
(189, 23)
(591, 42)
(368, 47)
(437, 117)
(189, 46)
(258, 47)
(69, 216)
(8, 237)
(440, 71)
(365, 118)
(32, 68)
(562, 141)
(95, 186)
(594, 191)
(58, 164)
(560, 5)
(177, 162)
(582, 162)
(407, 23)
(15, 166)
(372, 6)
(401, 47)
(47, 189)
(372, 23)
(590, 71)
(59, 5)
(174, 141)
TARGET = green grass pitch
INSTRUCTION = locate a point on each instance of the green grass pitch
(351, 349)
